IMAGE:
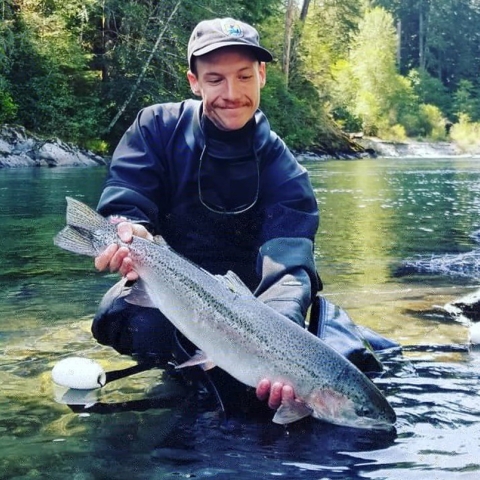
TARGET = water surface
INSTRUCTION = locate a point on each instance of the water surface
(375, 215)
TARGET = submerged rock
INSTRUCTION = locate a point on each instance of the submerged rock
(467, 311)
(19, 148)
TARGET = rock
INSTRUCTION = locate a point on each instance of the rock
(18, 148)
(466, 309)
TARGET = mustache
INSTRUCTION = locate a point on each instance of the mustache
(227, 105)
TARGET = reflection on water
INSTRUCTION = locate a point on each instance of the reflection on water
(375, 214)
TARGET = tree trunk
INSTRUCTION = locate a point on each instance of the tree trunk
(421, 37)
(399, 44)
(289, 15)
(144, 70)
(304, 12)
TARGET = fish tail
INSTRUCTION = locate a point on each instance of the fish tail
(75, 240)
(82, 216)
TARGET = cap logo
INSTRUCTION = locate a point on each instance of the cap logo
(232, 29)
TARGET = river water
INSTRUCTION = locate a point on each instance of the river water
(376, 215)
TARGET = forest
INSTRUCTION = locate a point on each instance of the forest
(80, 70)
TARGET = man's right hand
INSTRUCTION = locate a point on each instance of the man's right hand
(117, 258)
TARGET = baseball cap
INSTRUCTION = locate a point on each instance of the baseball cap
(209, 35)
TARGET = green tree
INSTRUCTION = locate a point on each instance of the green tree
(466, 101)
(430, 90)
(373, 67)
(51, 82)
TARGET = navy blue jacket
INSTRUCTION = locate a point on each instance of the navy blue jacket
(153, 178)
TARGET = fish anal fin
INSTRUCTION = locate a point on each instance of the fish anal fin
(291, 411)
(199, 359)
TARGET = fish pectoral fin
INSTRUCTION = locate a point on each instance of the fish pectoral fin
(291, 411)
(199, 359)
(138, 296)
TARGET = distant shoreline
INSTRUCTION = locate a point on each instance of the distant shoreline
(18, 149)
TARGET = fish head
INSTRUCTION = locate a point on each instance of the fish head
(334, 407)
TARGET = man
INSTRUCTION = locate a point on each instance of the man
(220, 187)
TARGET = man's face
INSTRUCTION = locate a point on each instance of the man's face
(229, 81)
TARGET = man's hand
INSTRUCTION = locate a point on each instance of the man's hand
(117, 258)
(276, 393)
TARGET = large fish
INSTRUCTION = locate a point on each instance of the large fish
(236, 331)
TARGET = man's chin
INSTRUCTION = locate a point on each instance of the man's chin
(232, 123)
(230, 119)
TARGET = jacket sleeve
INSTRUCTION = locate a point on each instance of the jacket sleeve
(286, 263)
(289, 278)
(135, 185)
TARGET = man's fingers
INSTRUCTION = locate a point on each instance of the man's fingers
(142, 232)
(118, 260)
(125, 231)
(103, 260)
(288, 395)
(276, 394)
(263, 389)
(275, 398)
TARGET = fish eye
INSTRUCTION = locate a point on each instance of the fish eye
(364, 411)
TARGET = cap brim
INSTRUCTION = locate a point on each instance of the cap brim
(261, 53)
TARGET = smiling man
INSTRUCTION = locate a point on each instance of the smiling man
(230, 96)
(219, 186)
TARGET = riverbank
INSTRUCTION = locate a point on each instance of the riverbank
(19, 148)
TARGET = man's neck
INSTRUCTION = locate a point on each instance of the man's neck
(212, 131)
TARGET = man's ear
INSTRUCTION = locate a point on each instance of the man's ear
(262, 70)
(192, 80)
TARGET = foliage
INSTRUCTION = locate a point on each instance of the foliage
(430, 90)
(291, 117)
(8, 108)
(466, 134)
(428, 123)
(368, 86)
(81, 69)
(466, 100)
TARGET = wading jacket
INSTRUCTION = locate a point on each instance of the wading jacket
(154, 178)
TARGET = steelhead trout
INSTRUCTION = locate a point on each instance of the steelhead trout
(235, 331)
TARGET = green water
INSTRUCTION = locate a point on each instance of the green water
(375, 214)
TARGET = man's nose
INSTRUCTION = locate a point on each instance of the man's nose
(232, 90)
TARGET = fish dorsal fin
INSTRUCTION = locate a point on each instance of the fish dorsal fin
(82, 216)
(291, 411)
(234, 283)
(139, 296)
